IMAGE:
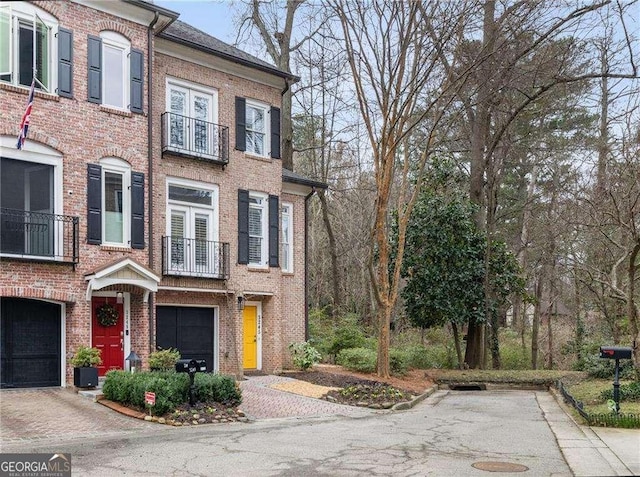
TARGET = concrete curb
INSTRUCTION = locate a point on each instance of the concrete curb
(403, 406)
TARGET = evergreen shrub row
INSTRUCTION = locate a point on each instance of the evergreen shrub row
(171, 389)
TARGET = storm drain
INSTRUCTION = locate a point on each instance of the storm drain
(468, 387)
(500, 467)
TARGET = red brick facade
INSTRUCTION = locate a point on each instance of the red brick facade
(78, 133)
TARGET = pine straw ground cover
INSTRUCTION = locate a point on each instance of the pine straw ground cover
(366, 390)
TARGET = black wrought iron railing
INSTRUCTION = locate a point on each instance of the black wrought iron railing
(39, 236)
(185, 136)
(195, 258)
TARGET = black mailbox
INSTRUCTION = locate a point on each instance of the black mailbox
(615, 352)
(191, 366)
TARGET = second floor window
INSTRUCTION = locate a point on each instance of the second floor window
(258, 229)
(115, 203)
(115, 72)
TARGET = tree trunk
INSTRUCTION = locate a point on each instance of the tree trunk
(474, 353)
(456, 341)
(632, 310)
(335, 271)
(536, 324)
(550, 340)
(384, 336)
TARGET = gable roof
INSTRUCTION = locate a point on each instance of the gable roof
(185, 34)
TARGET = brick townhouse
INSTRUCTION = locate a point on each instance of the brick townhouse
(148, 207)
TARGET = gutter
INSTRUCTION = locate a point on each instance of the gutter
(306, 263)
(150, 167)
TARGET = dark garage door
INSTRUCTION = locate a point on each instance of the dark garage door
(189, 330)
(31, 348)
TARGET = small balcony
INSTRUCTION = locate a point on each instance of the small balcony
(39, 236)
(195, 258)
(195, 138)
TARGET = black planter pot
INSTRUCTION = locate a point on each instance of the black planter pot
(85, 377)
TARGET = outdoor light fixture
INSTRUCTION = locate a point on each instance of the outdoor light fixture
(134, 361)
(119, 298)
(240, 302)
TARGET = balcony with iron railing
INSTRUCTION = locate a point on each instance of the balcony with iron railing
(196, 138)
(39, 236)
(195, 258)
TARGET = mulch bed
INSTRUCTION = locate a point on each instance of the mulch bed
(355, 391)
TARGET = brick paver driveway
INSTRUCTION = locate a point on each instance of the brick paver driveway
(57, 413)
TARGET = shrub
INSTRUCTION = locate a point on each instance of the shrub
(358, 359)
(304, 355)
(398, 361)
(597, 367)
(171, 389)
(218, 388)
(86, 357)
(349, 334)
(164, 360)
(417, 357)
(628, 392)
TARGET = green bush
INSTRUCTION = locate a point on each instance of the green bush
(86, 357)
(514, 357)
(628, 392)
(417, 357)
(304, 355)
(218, 388)
(348, 334)
(398, 361)
(597, 367)
(358, 359)
(171, 389)
(164, 360)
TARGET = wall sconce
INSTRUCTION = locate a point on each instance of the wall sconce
(240, 302)
(119, 298)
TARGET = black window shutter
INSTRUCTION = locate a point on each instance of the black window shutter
(94, 204)
(65, 62)
(241, 124)
(137, 210)
(137, 80)
(274, 231)
(275, 132)
(94, 65)
(243, 227)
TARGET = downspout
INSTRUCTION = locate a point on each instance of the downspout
(306, 263)
(150, 169)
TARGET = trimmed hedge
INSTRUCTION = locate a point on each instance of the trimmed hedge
(171, 389)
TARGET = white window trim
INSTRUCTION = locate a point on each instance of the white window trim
(264, 246)
(267, 127)
(118, 166)
(213, 188)
(197, 88)
(39, 154)
(115, 40)
(27, 12)
(289, 207)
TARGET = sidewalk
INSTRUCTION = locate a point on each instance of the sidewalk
(591, 451)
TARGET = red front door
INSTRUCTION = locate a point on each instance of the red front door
(108, 339)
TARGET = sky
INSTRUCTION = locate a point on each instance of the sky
(214, 17)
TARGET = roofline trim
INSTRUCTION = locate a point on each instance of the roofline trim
(274, 71)
(305, 182)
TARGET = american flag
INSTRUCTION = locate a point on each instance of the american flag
(24, 124)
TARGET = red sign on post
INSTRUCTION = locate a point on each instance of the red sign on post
(150, 398)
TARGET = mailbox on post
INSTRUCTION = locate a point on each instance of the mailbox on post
(191, 366)
(617, 353)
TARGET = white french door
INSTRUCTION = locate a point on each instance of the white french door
(193, 114)
(192, 248)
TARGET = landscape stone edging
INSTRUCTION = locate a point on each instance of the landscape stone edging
(402, 406)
